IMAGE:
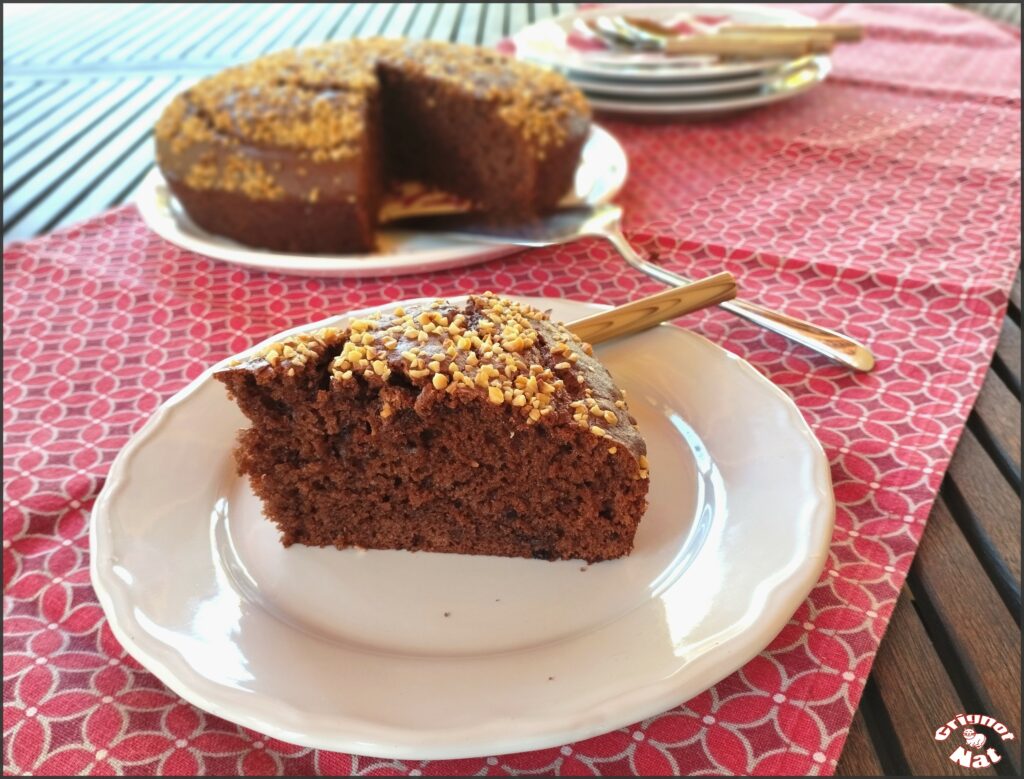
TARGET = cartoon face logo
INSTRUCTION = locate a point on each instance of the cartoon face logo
(974, 739)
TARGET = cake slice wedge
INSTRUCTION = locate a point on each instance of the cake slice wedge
(475, 426)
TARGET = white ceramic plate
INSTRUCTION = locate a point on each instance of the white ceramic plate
(684, 89)
(551, 42)
(624, 75)
(787, 86)
(352, 651)
(601, 173)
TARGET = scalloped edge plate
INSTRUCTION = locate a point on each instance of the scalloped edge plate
(352, 651)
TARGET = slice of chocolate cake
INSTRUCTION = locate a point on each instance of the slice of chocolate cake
(478, 427)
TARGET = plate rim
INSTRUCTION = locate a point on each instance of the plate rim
(707, 90)
(397, 742)
(667, 70)
(591, 85)
(456, 254)
(667, 106)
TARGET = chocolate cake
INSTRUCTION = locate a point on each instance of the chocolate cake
(478, 427)
(292, 151)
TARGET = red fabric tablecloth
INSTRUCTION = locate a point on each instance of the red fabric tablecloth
(885, 203)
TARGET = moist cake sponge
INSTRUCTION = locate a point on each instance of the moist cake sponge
(478, 427)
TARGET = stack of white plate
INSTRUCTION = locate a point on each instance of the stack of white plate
(646, 82)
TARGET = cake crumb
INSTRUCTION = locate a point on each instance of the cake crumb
(359, 372)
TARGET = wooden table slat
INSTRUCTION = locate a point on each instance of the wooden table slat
(95, 142)
(435, 19)
(1004, 12)
(988, 510)
(400, 20)
(189, 31)
(345, 12)
(55, 124)
(92, 181)
(956, 599)
(236, 50)
(859, 758)
(24, 33)
(212, 41)
(117, 179)
(388, 20)
(46, 123)
(469, 24)
(41, 99)
(266, 38)
(129, 192)
(288, 26)
(417, 23)
(916, 691)
(310, 32)
(997, 418)
(16, 91)
(301, 31)
(317, 31)
(124, 32)
(459, 23)
(354, 19)
(362, 28)
(92, 103)
(379, 15)
(127, 28)
(1007, 362)
(42, 47)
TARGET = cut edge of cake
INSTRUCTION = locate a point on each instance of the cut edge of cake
(292, 151)
(479, 427)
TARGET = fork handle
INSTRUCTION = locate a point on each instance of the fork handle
(651, 311)
(833, 345)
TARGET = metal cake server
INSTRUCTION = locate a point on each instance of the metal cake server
(604, 221)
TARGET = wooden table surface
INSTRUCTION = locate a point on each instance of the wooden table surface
(82, 88)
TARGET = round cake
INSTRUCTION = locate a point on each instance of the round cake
(291, 152)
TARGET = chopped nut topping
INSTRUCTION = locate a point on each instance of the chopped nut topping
(313, 101)
(493, 348)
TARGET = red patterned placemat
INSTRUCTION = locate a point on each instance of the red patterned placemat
(886, 203)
